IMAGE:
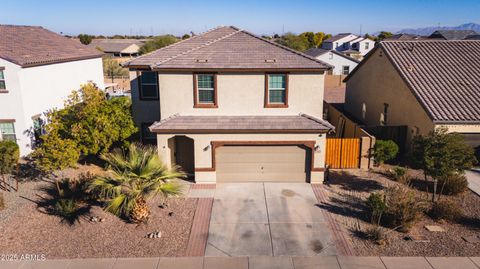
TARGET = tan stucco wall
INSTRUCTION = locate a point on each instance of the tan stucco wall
(241, 94)
(142, 110)
(376, 83)
(460, 128)
(203, 150)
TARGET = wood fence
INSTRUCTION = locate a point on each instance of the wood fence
(343, 153)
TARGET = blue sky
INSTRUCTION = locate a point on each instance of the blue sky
(261, 17)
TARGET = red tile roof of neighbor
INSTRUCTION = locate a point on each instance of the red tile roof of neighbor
(33, 45)
(443, 75)
(277, 124)
(227, 48)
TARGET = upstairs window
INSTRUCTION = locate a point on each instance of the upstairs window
(384, 115)
(367, 45)
(148, 85)
(276, 90)
(205, 90)
(2, 79)
(8, 131)
(345, 70)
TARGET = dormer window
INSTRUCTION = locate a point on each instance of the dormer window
(276, 90)
(205, 90)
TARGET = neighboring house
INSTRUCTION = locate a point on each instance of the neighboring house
(349, 42)
(227, 105)
(403, 36)
(452, 34)
(341, 63)
(421, 85)
(118, 47)
(38, 70)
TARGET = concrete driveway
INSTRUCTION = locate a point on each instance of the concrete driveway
(267, 219)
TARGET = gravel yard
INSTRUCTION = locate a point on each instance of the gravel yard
(348, 191)
(27, 229)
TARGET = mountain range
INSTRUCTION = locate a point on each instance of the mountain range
(425, 31)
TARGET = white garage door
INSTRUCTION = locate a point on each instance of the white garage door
(261, 164)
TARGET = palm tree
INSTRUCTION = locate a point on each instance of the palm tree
(136, 176)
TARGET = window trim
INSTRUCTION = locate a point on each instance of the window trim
(2, 69)
(267, 103)
(343, 70)
(139, 80)
(196, 103)
(12, 121)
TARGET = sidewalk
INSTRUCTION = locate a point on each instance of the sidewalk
(254, 262)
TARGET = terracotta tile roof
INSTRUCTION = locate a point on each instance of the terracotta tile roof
(443, 75)
(277, 124)
(226, 48)
(33, 46)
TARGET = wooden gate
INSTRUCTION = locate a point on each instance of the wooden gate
(343, 153)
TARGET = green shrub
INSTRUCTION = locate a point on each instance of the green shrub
(384, 150)
(400, 175)
(453, 184)
(9, 155)
(446, 210)
(403, 209)
(66, 208)
(376, 204)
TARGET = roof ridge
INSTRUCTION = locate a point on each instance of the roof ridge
(171, 45)
(286, 48)
(200, 46)
(324, 122)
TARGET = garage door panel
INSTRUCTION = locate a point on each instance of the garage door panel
(261, 163)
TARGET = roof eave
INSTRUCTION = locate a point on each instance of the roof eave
(27, 65)
(456, 122)
(232, 131)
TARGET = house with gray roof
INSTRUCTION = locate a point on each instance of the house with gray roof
(452, 34)
(418, 86)
(341, 63)
(118, 47)
(38, 70)
(229, 106)
(349, 43)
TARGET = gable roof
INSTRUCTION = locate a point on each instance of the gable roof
(337, 37)
(452, 34)
(442, 75)
(33, 46)
(114, 45)
(226, 48)
(315, 52)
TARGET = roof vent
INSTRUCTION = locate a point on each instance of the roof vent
(270, 60)
(201, 60)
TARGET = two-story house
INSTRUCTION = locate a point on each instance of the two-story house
(349, 44)
(418, 86)
(227, 105)
(341, 63)
(38, 70)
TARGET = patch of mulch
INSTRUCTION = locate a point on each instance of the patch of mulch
(31, 231)
(348, 190)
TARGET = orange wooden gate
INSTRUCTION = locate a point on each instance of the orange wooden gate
(343, 153)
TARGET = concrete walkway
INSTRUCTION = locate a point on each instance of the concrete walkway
(473, 178)
(267, 219)
(255, 262)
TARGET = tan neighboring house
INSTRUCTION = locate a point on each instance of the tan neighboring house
(421, 85)
(227, 105)
(118, 48)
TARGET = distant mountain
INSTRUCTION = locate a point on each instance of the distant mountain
(428, 30)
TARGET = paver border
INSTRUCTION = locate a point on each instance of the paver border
(197, 242)
(343, 246)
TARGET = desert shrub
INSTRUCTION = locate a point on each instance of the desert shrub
(452, 184)
(400, 174)
(403, 209)
(384, 150)
(376, 234)
(446, 210)
(2, 201)
(376, 204)
(399, 171)
(9, 155)
(66, 208)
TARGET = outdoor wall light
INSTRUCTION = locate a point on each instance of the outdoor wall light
(317, 148)
(206, 148)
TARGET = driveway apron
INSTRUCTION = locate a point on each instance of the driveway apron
(267, 219)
